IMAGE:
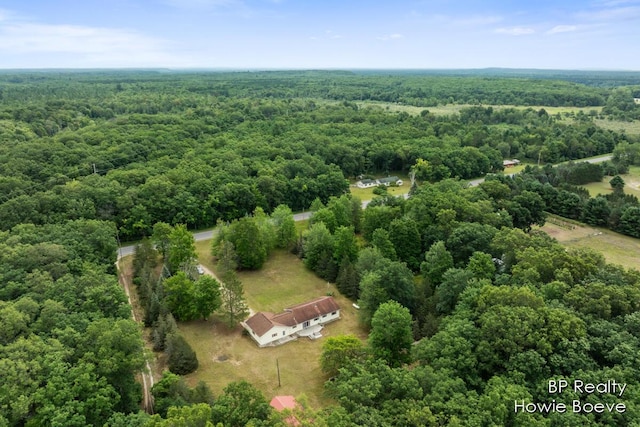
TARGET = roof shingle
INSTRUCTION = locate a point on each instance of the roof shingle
(262, 322)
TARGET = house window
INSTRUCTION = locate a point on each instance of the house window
(283, 333)
(316, 319)
(294, 326)
(274, 335)
(324, 315)
(333, 314)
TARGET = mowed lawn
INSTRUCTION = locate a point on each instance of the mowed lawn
(367, 193)
(616, 248)
(228, 355)
(631, 184)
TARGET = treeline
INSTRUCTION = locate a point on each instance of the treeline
(417, 88)
(69, 350)
(559, 190)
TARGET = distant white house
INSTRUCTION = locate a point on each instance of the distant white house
(368, 183)
(302, 320)
(510, 163)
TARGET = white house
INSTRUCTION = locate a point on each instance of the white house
(302, 320)
(390, 180)
(368, 183)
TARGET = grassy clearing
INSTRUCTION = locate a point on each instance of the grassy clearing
(443, 110)
(630, 128)
(616, 248)
(227, 355)
(367, 193)
(631, 180)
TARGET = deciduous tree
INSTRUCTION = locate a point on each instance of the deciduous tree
(391, 337)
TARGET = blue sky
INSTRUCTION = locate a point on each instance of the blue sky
(249, 34)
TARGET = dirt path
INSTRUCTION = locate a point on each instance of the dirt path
(147, 376)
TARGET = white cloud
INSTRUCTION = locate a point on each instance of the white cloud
(458, 20)
(395, 36)
(5, 15)
(562, 29)
(88, 46)
(515, 31)
(477, 20)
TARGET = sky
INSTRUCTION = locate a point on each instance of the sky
(320, 34)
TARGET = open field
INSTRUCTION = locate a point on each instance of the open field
(631, 184)
(630, 128)
(367, 193)
(227, 355)
(442, 110)
(616, 248)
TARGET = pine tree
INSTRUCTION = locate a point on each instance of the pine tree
(233, 303)
(347, 280)
(181, 358)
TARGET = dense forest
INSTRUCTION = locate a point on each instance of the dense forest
(181, 150)
(468, 309)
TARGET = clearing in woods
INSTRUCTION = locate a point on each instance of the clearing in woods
(228, 355)
(616, 248)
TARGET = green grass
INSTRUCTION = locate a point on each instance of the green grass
(367, 193)
(631, 179)
(442, 110)
(282, 282)
(616, 248)
(227, 355)
(630, 128)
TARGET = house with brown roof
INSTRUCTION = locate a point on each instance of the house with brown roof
(302, 320)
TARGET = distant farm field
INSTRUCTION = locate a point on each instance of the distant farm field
(631, 180)
(630, 128)
(616, 248)
(228, 355)
(442, 110)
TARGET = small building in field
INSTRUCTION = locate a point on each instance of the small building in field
(302, 320)
(390, 180)
(280, 403)
(368, 183)
(510, 163)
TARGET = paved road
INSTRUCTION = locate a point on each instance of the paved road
(206, 235)
(597, 159)
(600, 159)
(124, 251)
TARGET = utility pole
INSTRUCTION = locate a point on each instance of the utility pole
(94, 168)
(278, 368)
